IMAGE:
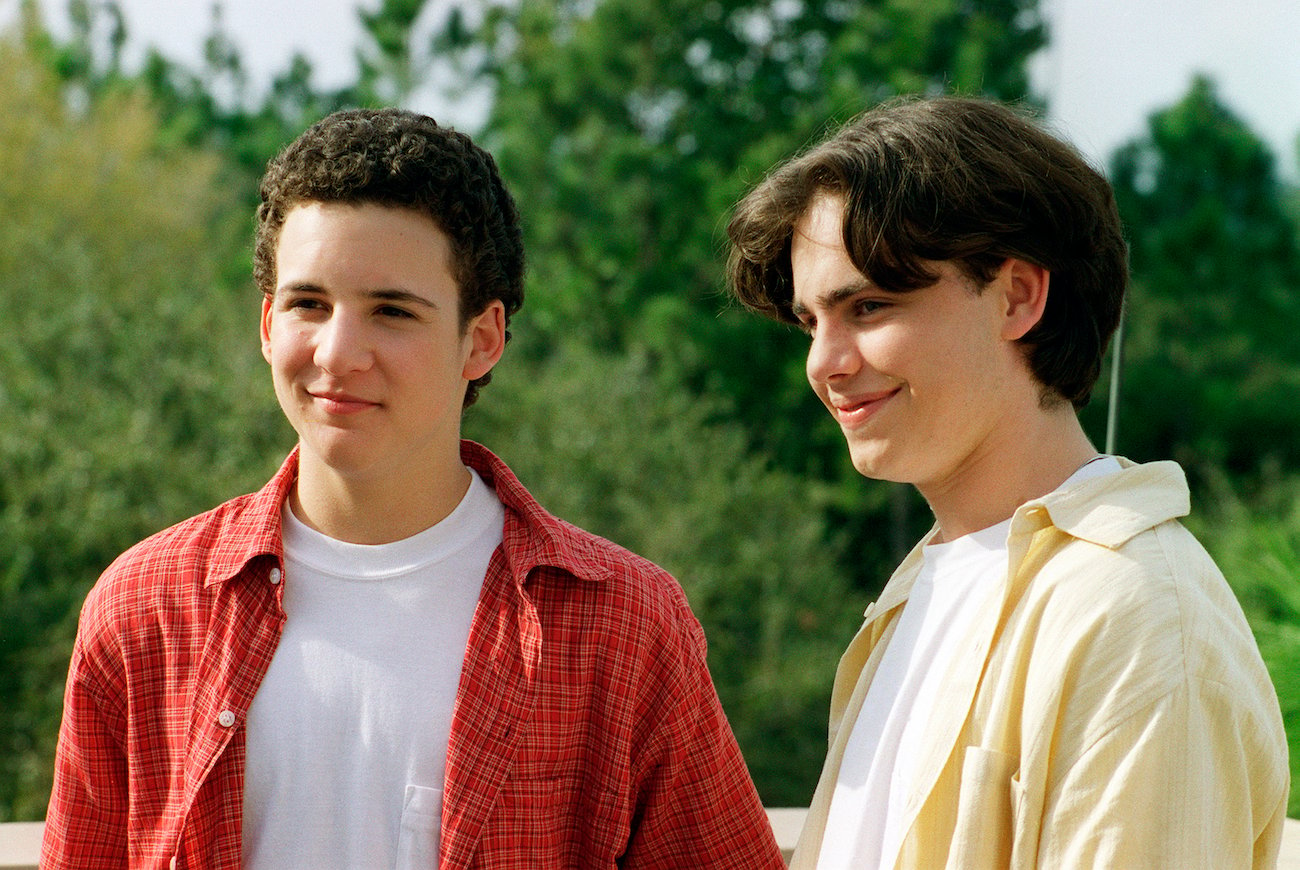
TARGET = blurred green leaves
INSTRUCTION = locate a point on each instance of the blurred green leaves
(1212, 371)
(130, 381)
(1257, 545)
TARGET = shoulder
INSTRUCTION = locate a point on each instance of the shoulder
(213, 545)
(186, 542)
(621, 590)
(164, 578)
(1127, 626)
(1118, 617)
(185, 546)
(1110, 555)
(558, 561)
(590, 556)
(1159, 582)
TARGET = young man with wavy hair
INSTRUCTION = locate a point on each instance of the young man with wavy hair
(1057, 675)
(391, 656)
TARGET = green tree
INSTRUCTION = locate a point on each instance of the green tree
(130, 380)
(1211, 366)
(1257, 545)
(214, 106)
(392, 65)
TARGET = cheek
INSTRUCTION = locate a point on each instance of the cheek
(289, 348)
(276, 349)
(890, 350)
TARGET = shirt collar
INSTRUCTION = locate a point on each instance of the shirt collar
(533, 536)
(1111, 509)
(250, 527)
(1108, 511)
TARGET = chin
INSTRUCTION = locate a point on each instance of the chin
(340, 457)
(870, 466)
(878, 463)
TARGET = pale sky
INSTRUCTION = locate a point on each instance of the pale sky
(1111, 62)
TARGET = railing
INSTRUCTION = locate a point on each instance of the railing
(20, 845)
(786, 822)
(20, 842)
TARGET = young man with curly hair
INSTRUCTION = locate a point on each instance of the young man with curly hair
(391, 656)
(1057, 675)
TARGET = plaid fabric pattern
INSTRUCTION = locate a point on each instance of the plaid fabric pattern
(586, 733)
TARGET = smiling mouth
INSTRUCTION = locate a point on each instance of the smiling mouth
(852, 414)
(342, 405)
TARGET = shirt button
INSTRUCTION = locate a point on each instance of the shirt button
(275, 576)
(226, 718)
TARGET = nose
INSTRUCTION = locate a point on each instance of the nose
(342, 345)
(832, 354)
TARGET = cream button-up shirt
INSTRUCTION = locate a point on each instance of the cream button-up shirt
(1112, 710)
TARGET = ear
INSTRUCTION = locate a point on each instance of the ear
(266, 327)
(485, 340)
(1025, 287)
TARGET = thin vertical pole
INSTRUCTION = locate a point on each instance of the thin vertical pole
(1117, 358)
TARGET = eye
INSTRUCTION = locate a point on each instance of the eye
(866, 307)
(394, 312)
(303, 303)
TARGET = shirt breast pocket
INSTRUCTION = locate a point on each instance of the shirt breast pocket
(417, 840)
(986, 806)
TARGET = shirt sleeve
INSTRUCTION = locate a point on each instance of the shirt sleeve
(1190, 780)
(86, 823)
(697, 805)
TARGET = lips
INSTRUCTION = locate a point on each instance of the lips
(342, 404)
(853, 412)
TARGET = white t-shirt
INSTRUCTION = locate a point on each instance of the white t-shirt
(347, 735)
(864, 827)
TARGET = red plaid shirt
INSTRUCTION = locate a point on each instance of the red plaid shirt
(586, 731)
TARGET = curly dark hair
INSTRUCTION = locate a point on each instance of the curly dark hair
(393, 157)
(960, 179)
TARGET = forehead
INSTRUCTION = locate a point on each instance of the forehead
(824, 274)
(339, 247)
(368, 229)
(360, 215)
(819, 262)
(821, 227)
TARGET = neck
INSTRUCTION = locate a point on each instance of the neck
(1003, 476)
(362, 510)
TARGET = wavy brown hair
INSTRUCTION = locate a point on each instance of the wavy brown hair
(958, 179)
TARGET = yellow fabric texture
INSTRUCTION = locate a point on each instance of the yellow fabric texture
(1113, 710)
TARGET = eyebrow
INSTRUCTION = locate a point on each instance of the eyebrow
(381, 295)
(831, 298)
(401, 296)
